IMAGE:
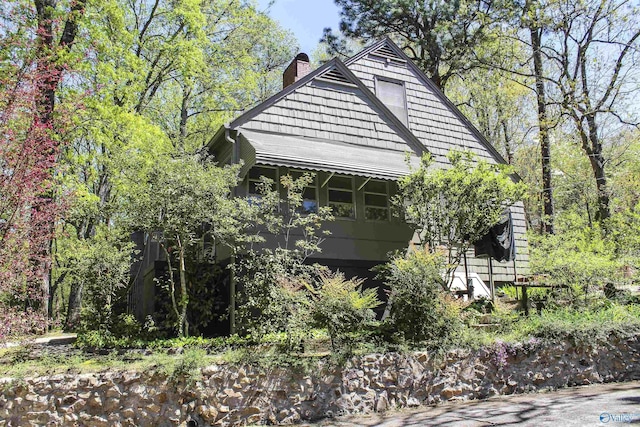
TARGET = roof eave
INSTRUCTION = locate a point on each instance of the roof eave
(215, 139)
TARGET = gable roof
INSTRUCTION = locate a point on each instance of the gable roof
(335, 75)
(390, 51)
(334, 71)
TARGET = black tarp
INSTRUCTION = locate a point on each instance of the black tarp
(499, 243)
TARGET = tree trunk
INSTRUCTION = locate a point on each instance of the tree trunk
(73, 311)
(49, 76)
(184, 297)
(507, 141)
(598, 162)
(543, 130)
(172, 290)
(597, 165)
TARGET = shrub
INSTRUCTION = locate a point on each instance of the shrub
(418, 308)
(590, 325)
(342, 307)
(272, 297)
(187, 369)
(579, 257)
(98, 270)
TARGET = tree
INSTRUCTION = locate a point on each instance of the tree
(498, 102)
(533, 21)
(517, 51)
(159, 77)
(582, 66)
(593, 51)
(454, 207)
(440, 36)
(50, 67)
(36, 42)
(185, 199)
(99, 268)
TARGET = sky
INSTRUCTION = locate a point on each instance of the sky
(305, 18)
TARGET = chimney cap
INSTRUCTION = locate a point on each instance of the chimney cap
(302, 57)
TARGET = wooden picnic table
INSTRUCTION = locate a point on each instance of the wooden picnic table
(532, 281)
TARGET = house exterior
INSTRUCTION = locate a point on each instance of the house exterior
(354, 123)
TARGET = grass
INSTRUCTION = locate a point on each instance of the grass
(174, 357)
(595, 324)
(182, 358)
(18, 362)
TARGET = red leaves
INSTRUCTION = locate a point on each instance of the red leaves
(29, 208)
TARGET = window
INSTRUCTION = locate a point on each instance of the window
(392, 94)
(340, 197)
(253, 178)
(376, 201)
(309, 194)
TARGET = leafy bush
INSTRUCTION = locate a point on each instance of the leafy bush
(271, 296)
(593, 325)
(342, 306)
(579, 256)
(418, 308)
(453, 207)
(98, 271)
(99, 339)
(187, 369)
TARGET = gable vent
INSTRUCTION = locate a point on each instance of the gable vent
(335, 76)
(389, 54)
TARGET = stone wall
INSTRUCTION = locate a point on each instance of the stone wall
(227, 395)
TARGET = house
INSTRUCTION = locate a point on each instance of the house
(354, 124)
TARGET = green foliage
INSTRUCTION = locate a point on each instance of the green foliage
(271, 298)
(419, 310)
(624, 229)
(187, 370)
(186, 199)
(441, 37)
(98, 270)
(456, 206)
(99, 339)
(342, 307)
(155, 82)
(590, 325)
(578, 255)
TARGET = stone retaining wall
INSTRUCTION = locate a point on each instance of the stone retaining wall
(227, 395)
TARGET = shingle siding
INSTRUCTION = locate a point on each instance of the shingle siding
(435, 125)
(441, 130)
(330, 111)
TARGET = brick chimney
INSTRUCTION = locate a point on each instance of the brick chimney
(298, 68)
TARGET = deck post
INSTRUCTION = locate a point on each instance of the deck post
(232, 298)
(492, 288)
